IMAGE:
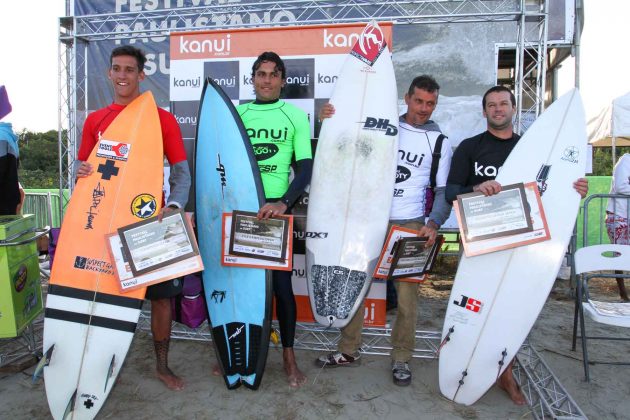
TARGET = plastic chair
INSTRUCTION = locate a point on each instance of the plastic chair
(588, 262)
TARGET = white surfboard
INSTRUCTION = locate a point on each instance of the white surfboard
(496, 297)
(353, 181)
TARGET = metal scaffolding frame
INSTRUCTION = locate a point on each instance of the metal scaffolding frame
(76, 32)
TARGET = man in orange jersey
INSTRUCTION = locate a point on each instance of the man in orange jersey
(126, 72)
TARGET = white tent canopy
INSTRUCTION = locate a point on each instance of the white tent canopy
(612, 126)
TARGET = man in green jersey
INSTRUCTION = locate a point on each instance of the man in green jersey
(279, 132)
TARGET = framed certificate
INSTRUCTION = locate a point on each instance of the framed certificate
(412, 258)
(229, 259)
(130, 282)
(485, 217)
(387, 254)
(506, 240)
(150, 244)
(265, 239)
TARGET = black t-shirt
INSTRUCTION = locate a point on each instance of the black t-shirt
(477, 159)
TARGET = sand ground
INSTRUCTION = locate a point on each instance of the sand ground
(365, 392)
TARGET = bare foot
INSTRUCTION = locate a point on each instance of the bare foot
(216, 370)
(172, 381)
(294, 375)
(507, 383)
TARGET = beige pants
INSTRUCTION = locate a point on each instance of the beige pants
(403, 336)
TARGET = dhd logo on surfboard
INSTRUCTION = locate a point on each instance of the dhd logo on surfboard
(380, 124)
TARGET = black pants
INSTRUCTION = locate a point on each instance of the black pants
(286, 309)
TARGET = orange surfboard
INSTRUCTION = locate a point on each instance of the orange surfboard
(88, 323)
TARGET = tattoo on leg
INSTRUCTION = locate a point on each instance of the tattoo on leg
(161, 354)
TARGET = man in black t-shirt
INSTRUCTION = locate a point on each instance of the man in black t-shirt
(475, 164)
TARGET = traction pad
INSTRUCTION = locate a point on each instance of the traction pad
(336, 289)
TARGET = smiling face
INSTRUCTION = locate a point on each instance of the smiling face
(268, 82)
(499, 111)
(420, 106)
(126, 77)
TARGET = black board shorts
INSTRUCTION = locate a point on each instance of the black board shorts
(165, 290)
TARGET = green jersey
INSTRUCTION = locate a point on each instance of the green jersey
(277, 131)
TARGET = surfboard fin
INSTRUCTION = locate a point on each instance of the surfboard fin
(110, 371)
(446, 339)
(461, 382)
(501, 362)
(43, 362)
(70, 406)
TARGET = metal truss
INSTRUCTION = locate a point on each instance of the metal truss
(28, 343)
(531, 65)
(530, 17)
(545, 394)
(233, 14)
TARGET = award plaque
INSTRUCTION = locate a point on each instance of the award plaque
(265, 239)
(130, 282)
(412, 258)
(150, 244)
(232, 260)
(503, 214)
(487, 230)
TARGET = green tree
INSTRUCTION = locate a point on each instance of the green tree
(39, 159)
(602, 159)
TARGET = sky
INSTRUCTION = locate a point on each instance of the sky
(29, 32)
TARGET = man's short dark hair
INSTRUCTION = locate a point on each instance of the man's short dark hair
(424, 82)
(272, 57)
(129, 50)
(498, 88)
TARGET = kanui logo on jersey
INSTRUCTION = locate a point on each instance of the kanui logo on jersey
(487, 170)
(113, 150)
(470, 304)
(380, 124)
(370, 45)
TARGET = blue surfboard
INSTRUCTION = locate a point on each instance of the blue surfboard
(239, 299)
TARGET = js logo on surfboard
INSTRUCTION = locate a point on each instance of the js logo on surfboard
(470, 304)
(380, 124)
(143, 206)
(113, 150)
